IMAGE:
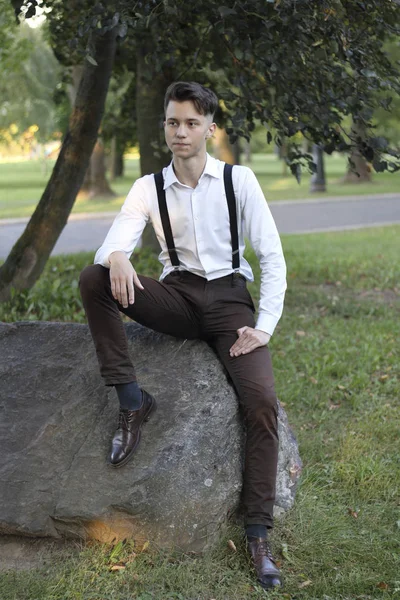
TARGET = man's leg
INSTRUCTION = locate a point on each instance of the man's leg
(253, 379)
(160, 307)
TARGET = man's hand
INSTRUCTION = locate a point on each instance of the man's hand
(249, 339)
(122, 278)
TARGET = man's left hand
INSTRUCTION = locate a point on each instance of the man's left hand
(249, 339)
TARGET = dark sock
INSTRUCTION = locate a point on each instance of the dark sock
(257, 531)
(129, 395)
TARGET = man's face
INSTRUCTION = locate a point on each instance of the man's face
(186, 131)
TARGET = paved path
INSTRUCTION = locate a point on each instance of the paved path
(87, 231)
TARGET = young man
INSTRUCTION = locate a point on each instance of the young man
(201, 293)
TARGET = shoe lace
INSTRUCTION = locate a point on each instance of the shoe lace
(263, 549)
(124, 420)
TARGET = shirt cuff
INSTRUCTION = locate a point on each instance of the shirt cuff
(101, 259)
(266, 323)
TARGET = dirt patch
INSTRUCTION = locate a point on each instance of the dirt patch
(22, 553)
(389, 297)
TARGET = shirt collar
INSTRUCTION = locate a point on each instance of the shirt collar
(211, 168)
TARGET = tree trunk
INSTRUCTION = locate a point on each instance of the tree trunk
(283, 152)
(85, 187)
(119, 164)
(318, 180)
(223, 149)
(116, 159)
(98, 182)
(154, 153)
(28, 257)
(360, 172)
(95, 182)
(247, 152)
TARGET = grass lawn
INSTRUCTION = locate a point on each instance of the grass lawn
(337, 369)
(22, 183)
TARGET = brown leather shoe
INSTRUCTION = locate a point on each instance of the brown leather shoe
(127, 436)
(268, 574)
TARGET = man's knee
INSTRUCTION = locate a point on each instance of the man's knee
(262, 404)
(91, 278)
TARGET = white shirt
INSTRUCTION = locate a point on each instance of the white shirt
(201, 230)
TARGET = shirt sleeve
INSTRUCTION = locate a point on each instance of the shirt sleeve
(128, 225)
(260, 228)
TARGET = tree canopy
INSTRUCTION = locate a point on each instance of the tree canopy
(295, 65)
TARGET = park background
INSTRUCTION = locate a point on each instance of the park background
(336, 355)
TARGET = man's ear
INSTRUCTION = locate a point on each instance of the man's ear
(211, 130)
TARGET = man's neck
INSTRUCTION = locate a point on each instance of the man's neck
(188, 171)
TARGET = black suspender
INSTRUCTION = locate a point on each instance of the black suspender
(166, 223)
(230, 198)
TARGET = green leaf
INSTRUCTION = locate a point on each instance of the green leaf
(91, 60)
(225, 11)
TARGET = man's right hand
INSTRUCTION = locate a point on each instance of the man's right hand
(122, 278)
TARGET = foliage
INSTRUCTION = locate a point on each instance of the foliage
(55, 297)
(387, 121)
(295, 66)
(26, 96)
(336, 362)
(11, 51)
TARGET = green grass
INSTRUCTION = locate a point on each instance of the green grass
(337, 369)
(22, 183)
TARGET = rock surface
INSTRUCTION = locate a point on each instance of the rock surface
(57, 419)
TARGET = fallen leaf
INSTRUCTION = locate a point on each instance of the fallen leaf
(341, 387)
(232, 546)
(301, 333)
(382, 585)
(305, 583)
(145, 546)
(334, 406)
(352, 513)
(294, 471)
(313, 380)
(383, 377)
(118, 567)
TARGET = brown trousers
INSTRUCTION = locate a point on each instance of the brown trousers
(189, 307)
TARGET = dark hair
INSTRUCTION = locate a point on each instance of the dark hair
(204, 99)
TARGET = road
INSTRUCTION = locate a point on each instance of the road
(87, 232)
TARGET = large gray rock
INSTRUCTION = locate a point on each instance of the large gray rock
(56, 421)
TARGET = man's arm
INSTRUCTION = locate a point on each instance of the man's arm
(264, 238)
(120, 242)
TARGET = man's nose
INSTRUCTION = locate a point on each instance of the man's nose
(181, 131)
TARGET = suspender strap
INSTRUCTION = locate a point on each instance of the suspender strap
(166, 223)
(230, 197)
